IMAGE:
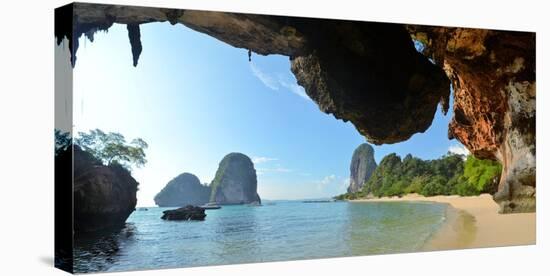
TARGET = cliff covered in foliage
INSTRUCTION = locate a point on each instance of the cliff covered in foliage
(361, 168)
(235, 181)
(96, 169)
(450, 174)
(104, 196)
(185, 189)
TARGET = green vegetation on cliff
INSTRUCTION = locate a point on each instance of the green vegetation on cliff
(450, 174)
(235, 181)
(185, 189)
(479, 176)
(112, 148)
(217, 181)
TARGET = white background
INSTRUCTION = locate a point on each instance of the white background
(26, 135)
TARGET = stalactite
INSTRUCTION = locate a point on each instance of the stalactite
(135, 41)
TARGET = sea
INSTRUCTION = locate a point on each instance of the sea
(274, 231)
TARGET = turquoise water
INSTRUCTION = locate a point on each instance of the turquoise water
(283, 230)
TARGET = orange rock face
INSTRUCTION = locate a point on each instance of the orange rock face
(493, 75)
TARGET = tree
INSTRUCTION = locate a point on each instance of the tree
(436, 186)
(417, 183)
(479, 176)
(112, 148)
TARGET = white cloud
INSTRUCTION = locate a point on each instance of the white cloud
(281, 169)
(331, 185)
(277, 169)
(327, 180)
(266, 79)
(277, 83)
(262, 159)
(459, 149)
(294, 88)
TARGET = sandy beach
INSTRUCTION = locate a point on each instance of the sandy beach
(473, 222)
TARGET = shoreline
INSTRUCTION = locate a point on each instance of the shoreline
(473, 222)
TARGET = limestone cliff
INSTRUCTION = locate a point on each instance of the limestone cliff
(235, 181)
(104, 196)
(493, 75)
(185, 189)
(371, 75)
(361, 168)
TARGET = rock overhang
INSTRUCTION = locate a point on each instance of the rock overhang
(371, 74)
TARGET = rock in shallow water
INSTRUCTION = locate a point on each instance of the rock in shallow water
(188, 212)
(104, 196)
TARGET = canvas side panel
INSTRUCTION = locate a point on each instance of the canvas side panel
(63, 139)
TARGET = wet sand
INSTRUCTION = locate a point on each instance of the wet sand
(473, 222)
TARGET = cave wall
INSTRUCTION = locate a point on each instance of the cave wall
(371, 75)
(494, 80)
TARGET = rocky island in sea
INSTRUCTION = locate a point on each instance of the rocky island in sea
(185, 189)
(235, 183)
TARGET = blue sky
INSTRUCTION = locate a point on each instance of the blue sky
(195, 99)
